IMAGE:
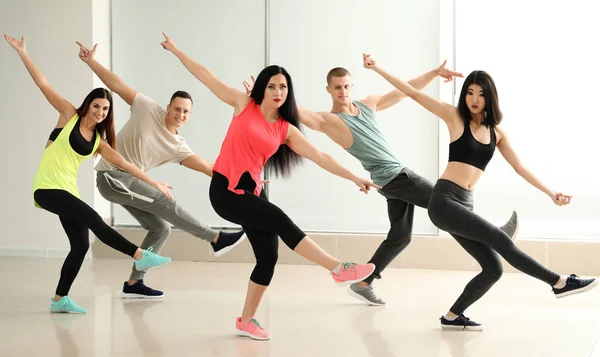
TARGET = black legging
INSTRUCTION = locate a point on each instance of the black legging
(76, 217)
(261, 220)
(451, 209)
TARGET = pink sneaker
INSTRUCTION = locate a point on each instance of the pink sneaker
(251, 328)
(351, 273)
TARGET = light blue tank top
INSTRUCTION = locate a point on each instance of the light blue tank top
(370, 146)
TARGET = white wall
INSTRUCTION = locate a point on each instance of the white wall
(101, 36)
(543, 64)
(50, 30)
(402, 36)
(227, 37)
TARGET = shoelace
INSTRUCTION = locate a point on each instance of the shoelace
(255, 321)
(465, 320)
(349, 266)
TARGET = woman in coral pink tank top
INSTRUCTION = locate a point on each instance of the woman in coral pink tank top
(264, 133)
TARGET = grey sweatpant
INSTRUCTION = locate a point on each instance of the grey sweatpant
(152, 208)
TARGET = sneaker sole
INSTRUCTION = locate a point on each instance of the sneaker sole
(358, 296)
(227, 249)
(248, 334)
(341, 284)
(462, 328)
(140, 296)
(582, 290)
(67, 312)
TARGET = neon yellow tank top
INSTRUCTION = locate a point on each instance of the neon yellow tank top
(60, 163)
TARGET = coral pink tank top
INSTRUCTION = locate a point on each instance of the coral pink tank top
(250, 141)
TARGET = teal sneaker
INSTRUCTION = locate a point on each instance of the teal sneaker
(66, 305)
(150, 260)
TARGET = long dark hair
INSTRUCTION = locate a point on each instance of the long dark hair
(492, 114)
(106, 128)
(285, 159)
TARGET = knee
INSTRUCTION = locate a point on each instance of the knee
(494, 272)
(267, 261)
(264, 270)
(162, 231)
(398, 239)
(81, 247)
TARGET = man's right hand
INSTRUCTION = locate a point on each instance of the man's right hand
(85, 54)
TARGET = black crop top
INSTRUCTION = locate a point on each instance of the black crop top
(468, 150)
(77, 141)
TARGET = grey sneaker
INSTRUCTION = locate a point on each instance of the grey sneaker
(512, 226)
(366, 294)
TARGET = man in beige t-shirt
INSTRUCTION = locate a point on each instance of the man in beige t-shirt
(150, 138)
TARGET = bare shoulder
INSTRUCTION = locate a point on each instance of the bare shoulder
(500, 133)
(66, 116)
(331, 120)
(371, 102)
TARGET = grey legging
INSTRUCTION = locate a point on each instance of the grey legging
(451, 209)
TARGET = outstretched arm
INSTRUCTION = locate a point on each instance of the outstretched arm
(112, 81)
(61, 105)
(512, 158)
(118, 160)
(382, 102)
(313, 120)
(443, 110)
(298, 143)
(197, 163)
(236, 98)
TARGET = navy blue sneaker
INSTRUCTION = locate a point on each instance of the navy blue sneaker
(460, 323)
(226, 242)
(140, 291)
(575, 285)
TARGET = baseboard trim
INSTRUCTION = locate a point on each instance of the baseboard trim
(424, 252)
(37, 252)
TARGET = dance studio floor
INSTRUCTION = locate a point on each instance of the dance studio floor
(306, 313)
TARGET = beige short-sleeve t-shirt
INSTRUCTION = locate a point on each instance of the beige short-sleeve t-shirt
(145, 141)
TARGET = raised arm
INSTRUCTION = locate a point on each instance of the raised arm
(298, 143)
(445, 111)
(382, 102)
(234, 97)
(61, 105)
(112, 81)
(118, 160)
(512, 158)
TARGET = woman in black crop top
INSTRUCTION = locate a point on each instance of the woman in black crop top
(474, 136)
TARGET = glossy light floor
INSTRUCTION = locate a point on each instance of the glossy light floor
(305, 312)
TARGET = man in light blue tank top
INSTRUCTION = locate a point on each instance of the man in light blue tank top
(352, 125)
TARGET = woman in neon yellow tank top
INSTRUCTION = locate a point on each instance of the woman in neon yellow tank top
(79, 134)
